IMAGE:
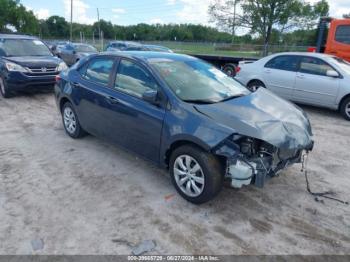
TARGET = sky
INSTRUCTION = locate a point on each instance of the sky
(129, 12)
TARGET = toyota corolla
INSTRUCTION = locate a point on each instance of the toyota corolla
(184, 115)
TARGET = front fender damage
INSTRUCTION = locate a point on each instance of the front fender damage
(253, 161)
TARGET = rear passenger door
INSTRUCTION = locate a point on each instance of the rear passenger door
(91, 94)
(313, 86)
(279, 74)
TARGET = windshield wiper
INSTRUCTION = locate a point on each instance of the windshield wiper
(199, 101)
(232, 97)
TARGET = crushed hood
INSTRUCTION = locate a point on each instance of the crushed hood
(264, 116)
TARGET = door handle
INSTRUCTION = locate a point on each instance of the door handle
(267, 71)
(301, 76)
(75, 84)
(112, 100)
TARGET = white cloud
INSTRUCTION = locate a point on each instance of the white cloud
(194, 11)
(156, 21)
(80, 9)
(171, 2)
(42, 13)
(118, 11)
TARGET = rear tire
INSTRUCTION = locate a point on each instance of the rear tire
(255, 85)
(5, 92)
(345, 108)
(71, 122)
(198, 180)
(230, 70)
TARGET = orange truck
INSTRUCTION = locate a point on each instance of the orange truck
(337, 41)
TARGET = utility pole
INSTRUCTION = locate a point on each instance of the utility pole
(71, 20)
(99, 26)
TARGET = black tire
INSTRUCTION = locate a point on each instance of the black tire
(345, 108)
(213, 172)
(255, 85)
(4, 90)
(78, 130)
(230, 70)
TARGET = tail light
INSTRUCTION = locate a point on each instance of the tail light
(57, 78)
(238, 69)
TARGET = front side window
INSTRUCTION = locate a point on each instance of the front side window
(342, 35)
(287, 63)
(133, 79)
(99, 70)
(314, 66)
(197, 81)
(23, 47)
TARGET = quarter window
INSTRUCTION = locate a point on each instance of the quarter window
(342, 35)
(99, 70)
(133, 79)
(287, 63)
(311, 65)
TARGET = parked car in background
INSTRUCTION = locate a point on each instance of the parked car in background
(25, 63)
(73, 52)
(56, 46)
(157, 48)
(184, 114)
(307, 78)
(121, 45)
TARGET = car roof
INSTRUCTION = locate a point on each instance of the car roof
(311, 54)
(15, 36)
(148, 56)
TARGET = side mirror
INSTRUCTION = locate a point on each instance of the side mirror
(332, 73)
(151, 96)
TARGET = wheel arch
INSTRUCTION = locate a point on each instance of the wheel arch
(181, 142)
(63, 100)
(255, 79)
(342, 100)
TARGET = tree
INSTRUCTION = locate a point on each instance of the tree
(13, 14)
(346, 16)
(224, 14)
(57, 26)
(262, 16)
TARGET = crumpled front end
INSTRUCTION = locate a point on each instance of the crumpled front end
(253, 161)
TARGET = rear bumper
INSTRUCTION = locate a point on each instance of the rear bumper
(17, 81)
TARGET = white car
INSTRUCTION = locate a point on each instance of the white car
(306, 78)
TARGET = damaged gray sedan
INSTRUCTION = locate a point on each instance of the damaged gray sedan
(185, 115)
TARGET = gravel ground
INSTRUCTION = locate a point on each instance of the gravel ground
(65, 196)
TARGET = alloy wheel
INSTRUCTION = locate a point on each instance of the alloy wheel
(347, 109)
(189, 175)
(70, 121)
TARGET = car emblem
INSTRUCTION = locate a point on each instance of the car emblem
(44, 69)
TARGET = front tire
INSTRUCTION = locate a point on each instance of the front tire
(5, 93)
(71, 122)
(345, 108)
(196, 174)
(255, 85)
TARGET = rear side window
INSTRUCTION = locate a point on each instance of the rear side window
(314, 66)
(287, 63)
(99, 70)
(133, 79)
(342, 35)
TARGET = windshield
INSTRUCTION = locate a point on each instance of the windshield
(85, 48)
(344, 65)
(197, 81)
(23, 47)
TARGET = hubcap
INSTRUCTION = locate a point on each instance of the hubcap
(347, 109)
(70, 121)
(2, 86)
(253, 88)
(188, 175)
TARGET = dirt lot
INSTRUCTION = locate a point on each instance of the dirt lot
(87, 197)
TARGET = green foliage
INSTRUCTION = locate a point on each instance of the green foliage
(13, 14)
